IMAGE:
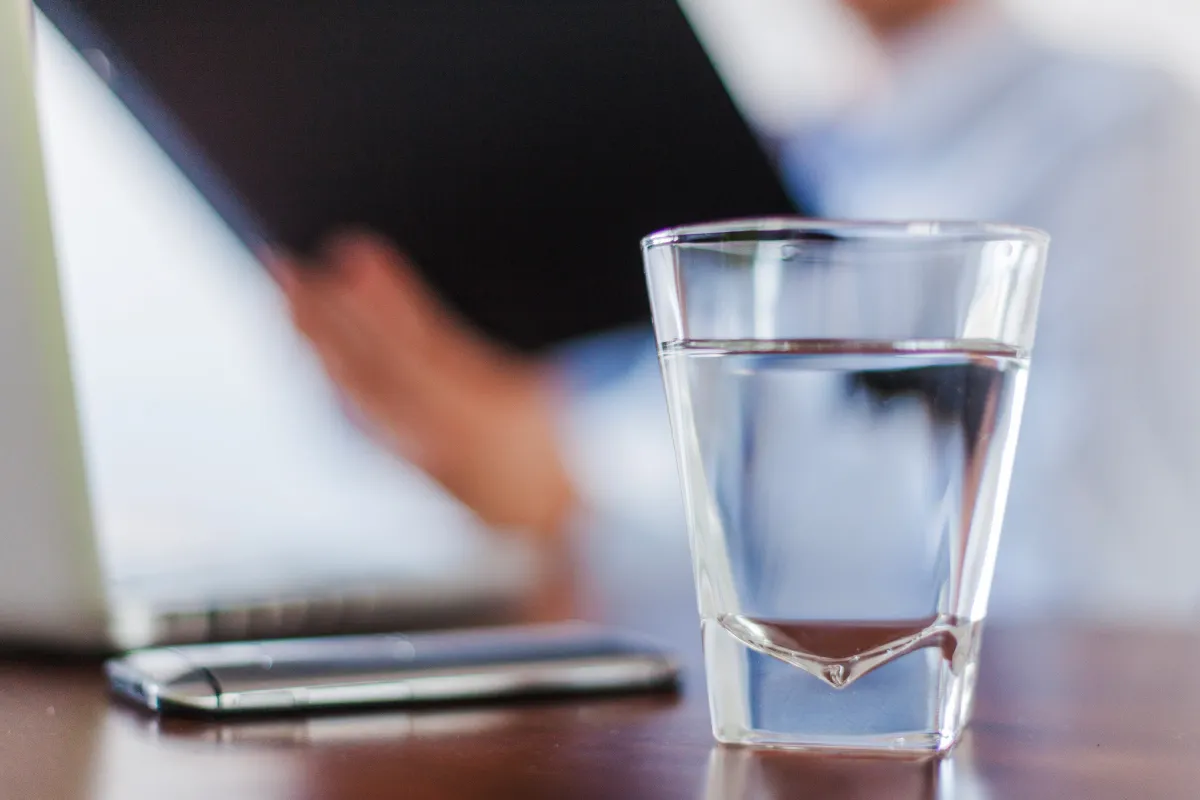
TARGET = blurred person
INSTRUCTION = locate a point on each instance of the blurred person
(973, 118)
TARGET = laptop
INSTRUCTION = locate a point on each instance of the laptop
(173, 465)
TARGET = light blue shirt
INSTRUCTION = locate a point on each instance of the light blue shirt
(980, 121)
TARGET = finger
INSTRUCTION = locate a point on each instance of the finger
(284, 269)
(346, 358)
(350, 364)
(319, 308)
(378, 289)
(350, 356)
(345, 350)
(355, 356)
(384, 287)
(381, 336)
(428, 347)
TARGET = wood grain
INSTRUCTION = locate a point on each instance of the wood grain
(1096, 713)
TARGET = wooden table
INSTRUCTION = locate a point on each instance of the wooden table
(1090, 713)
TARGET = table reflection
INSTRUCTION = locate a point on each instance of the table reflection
(744, 772)
(360, 728)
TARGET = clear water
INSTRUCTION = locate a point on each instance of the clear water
(844, 501)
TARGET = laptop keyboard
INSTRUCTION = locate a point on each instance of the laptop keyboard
(255, 603)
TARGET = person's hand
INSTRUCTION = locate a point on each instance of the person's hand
(479, 420)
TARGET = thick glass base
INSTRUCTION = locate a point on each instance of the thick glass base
(914, 703)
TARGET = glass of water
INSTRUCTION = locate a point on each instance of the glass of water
(845, 399)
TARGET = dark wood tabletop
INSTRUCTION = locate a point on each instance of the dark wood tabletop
(1085, 712)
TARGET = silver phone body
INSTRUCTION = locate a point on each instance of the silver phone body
(342, 671)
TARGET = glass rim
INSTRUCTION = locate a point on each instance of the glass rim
(762, 228)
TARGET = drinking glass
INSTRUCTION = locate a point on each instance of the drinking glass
(844, 399)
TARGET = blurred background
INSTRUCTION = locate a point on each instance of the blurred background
(195, 385)
(788, 60)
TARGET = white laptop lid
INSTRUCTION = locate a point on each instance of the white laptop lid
(50, 581)
(210, 432)
(210, 438)
(216, 449)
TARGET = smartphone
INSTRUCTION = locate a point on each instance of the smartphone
(390, 669)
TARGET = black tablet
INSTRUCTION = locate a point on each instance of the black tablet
(517, 149)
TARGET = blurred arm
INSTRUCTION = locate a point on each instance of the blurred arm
(476, 418)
